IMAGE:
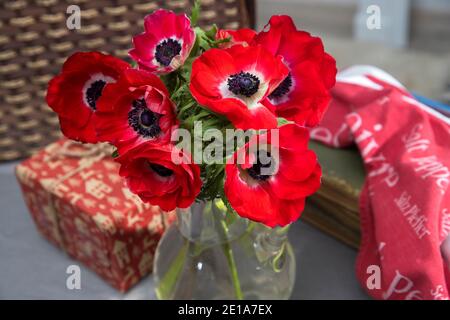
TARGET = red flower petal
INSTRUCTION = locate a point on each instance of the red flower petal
(237, 112)
(85, 133)
(142, 42)
(293, 137)
(114, 119)
(219, 63)
(283, 22)
(279, 198)
(297, 166)
(162, 26)
(238, 37)
(249, 201)
(210, 77)
(178, 189)
(66, 93)
(312, 71)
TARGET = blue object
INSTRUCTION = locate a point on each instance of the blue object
(438, 106)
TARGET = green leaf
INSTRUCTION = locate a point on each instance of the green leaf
(195, 13)
(282, 121)
(211, 33)
(203, 41)
(178, 92)
(115, 154)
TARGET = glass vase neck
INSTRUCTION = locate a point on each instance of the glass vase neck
(209, 222)
(212, 223)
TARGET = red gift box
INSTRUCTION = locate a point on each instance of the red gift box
(80, 203)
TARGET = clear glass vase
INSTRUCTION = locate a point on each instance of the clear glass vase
(210, 253)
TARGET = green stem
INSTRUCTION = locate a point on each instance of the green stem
(232, 264)
(217, 210)
(170, 278)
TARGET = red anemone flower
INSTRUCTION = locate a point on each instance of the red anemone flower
(73, 94)
(304, 95)
(166, 42)
(155, 178)
(274, 177)
(241, 36)
(235, 82)
(134, 110)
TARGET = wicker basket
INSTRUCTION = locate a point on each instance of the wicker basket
(34, 42)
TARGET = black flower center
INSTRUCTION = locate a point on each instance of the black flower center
(282, 89)
(160, 170)
(259, 171)
(144, 121)
(166, 51)
(243, 83)
(94, 92)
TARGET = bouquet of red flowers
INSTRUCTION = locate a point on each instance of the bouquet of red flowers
(241, 101)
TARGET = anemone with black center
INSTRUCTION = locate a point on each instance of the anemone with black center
(94, 92)
(144, 121)
(160, 170)
(243, 83)
(282, 89)
(256, 171)
(166, 50)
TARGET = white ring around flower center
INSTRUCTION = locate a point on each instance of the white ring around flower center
(251, 102)
(175, 63)
(95, 77)
(285, 97)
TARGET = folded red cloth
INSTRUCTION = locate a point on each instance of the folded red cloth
(405, 202)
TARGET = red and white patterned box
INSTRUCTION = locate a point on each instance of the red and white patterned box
(79, 202)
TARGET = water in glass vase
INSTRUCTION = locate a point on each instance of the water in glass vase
(211, 253)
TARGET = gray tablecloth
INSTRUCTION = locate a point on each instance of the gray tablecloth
(32, 268)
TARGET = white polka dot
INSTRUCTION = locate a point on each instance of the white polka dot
(378, 127)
